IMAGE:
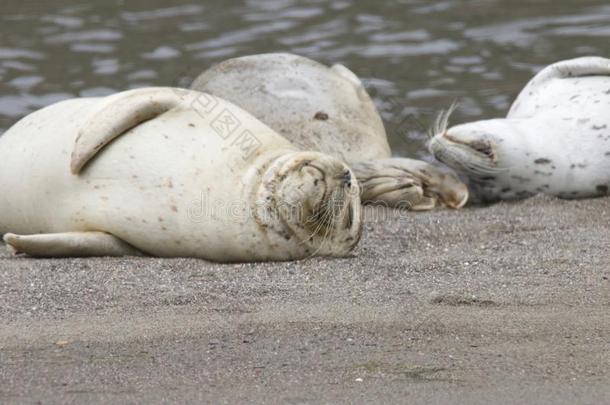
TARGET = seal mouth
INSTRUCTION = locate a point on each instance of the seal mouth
(318, 200)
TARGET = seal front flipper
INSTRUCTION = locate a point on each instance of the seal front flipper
(70, 244)
(408, 183)
(119, 113)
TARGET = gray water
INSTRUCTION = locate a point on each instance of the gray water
(416, 56)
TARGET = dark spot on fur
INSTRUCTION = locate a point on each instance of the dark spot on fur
(542, 161)
(543, 173)
(173, 208)
(320, 115)
(505, 190)
(602, 188)
(597, 128)
(521, 179)
(607, 153)
(191, 125)
(488, 178)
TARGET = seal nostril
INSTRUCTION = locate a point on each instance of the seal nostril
(347, 178)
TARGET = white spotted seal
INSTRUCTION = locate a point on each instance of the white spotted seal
(555, 139)
(169, 172)
(328, 109)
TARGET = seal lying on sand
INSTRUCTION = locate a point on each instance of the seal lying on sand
(169, 172)
(328, 110)
(555, 139)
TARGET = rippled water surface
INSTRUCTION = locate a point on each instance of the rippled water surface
(416, 56)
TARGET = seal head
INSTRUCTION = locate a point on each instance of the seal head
(313, 199)
(553, 140)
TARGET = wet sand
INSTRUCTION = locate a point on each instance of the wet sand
(502, 304)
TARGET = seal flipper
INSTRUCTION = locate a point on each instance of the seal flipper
(70, 244)
(118, 114)
(525, 104)
(396, 191)
(344, 72)
(408, 184)
(578, 67)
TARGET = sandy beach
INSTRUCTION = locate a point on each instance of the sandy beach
(507, 303)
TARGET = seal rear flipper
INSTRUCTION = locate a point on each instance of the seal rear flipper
(344, 72)
(70, 244)
(118, 114)
(567, 69)
(577, 67)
